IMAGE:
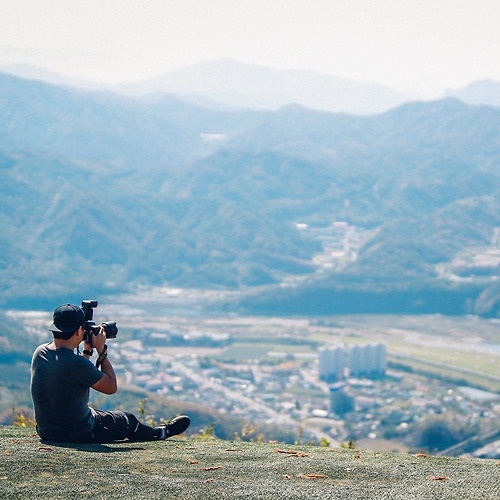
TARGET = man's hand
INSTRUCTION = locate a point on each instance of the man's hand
(87, 346)
(99, 340)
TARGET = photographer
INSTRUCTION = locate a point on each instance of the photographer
(61, 382)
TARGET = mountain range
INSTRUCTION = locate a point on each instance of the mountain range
(303, 210)
(226, 84)
(232, 85)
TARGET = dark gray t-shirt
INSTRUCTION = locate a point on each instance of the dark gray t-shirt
(60, 383)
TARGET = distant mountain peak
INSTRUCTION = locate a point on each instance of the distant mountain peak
(485, 91)
(240, 85)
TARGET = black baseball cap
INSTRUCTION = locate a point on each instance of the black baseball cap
(67, 319)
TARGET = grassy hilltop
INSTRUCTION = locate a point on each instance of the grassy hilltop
(204, 468)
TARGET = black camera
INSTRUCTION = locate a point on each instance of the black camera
(90, 328)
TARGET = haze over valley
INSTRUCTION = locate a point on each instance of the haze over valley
(388, 212)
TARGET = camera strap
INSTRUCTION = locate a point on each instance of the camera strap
(102, 356)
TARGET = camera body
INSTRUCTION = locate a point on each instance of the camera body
(90, 328)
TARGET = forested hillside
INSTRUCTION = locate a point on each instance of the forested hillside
(101, 192)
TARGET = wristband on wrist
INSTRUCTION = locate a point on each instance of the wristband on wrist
(102, 356)
(88, 353)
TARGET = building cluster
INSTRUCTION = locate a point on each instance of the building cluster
(365, 401)
(337, 361)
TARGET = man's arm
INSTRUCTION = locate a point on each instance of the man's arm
(107, 384)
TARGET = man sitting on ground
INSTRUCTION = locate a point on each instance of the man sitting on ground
(60, 387)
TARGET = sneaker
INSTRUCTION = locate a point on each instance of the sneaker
(176, 426)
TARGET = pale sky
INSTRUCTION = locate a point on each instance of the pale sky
(406, 44)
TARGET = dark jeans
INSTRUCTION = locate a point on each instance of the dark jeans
(119, 425)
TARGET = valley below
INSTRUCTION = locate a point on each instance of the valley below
(440, 391)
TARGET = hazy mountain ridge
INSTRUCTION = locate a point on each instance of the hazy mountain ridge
(225, 84)
(478, 92)
(239, 85)
(98, 185)
(95, 126)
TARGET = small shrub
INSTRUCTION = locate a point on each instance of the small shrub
(22, 419)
